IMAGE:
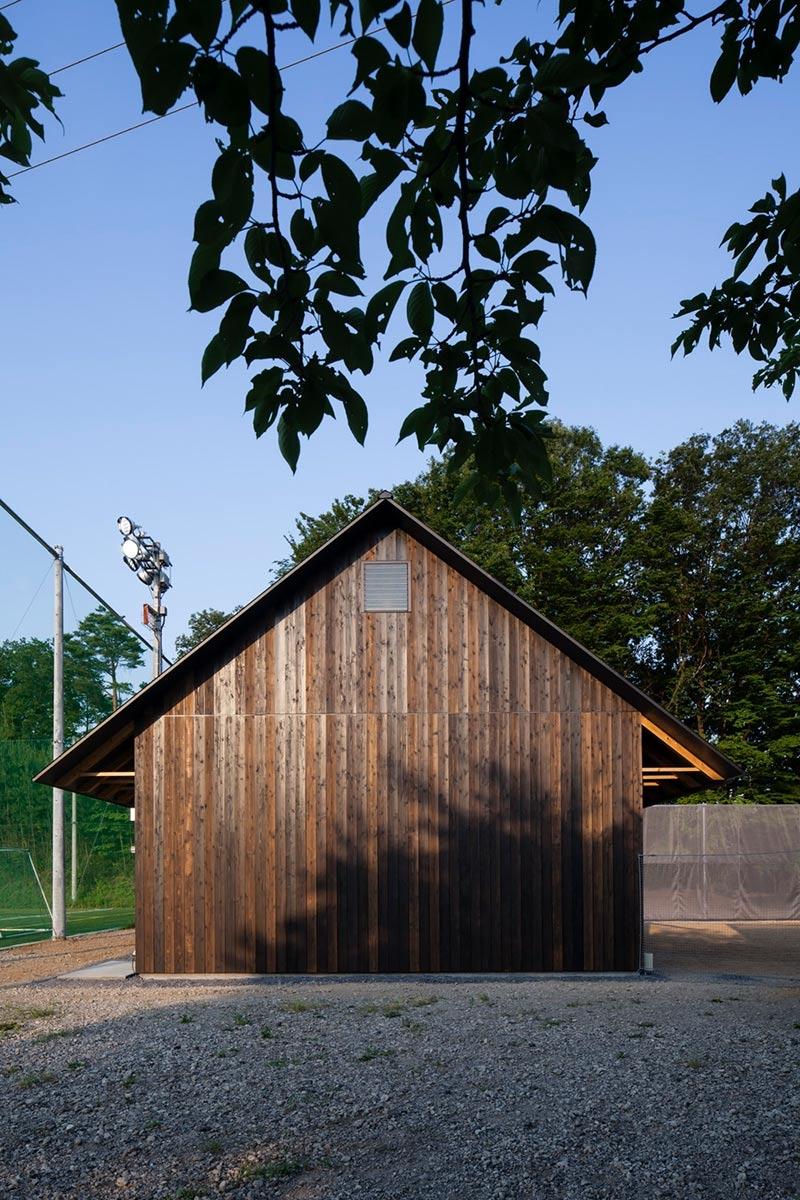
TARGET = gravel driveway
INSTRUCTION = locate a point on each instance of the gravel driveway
(421, 1090)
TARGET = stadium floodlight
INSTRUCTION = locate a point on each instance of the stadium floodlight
(152, 564)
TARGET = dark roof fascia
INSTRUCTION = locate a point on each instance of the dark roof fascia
(387, 511)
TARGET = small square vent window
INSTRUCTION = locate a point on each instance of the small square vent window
(386, 587)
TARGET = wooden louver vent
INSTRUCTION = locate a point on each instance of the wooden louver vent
(386, 587)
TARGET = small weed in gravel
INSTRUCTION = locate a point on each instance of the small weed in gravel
(240, 1020)
(29, 1081)
(186, 1019)
(129, 1080)
(396, 1008)
(372, 1052)
(278, 1168)
(53, 1034)
(484, 998)
(213, 1146)
(14, 1018)
(77, 1064)
(300, 1006)
(266, 1032)
(694, 1064)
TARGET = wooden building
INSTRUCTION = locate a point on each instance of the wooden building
(387, 762)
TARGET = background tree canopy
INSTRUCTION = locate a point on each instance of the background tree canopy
(96, 656)
(479, 178)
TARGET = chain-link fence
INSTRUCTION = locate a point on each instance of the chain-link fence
(104, 662)
(723, 913)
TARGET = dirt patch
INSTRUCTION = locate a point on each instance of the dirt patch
(43, 960)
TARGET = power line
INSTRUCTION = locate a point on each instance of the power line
(109, 137)
(86, 58)
(98, 141)
(51, 550)
(10, 4)
(30, 606)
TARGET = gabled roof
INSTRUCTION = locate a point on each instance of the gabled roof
(119, 729)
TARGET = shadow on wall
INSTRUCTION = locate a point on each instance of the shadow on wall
(491, 872)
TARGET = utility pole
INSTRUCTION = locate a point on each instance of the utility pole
(73, 859)
(59, 897)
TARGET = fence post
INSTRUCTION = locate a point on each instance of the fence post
(640, 862)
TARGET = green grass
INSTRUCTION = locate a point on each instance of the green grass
(78, 921)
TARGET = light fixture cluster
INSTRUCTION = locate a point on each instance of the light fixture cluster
(144, 555)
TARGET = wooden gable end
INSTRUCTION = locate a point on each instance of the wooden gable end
(456, 650)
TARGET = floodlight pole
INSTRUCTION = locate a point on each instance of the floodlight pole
(58, 904)
(158, 626)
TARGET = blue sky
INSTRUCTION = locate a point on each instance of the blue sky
(102, 407)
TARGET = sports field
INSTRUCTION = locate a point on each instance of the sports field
(21, 927)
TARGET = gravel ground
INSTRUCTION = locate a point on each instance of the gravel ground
(426, 1089)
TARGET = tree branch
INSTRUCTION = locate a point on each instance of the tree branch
(460, 137)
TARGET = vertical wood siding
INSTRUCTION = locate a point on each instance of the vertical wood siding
(436, 790)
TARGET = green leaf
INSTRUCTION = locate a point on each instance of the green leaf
(723, 76)
(306, 13)
(303, 233)
(382, 305)
(199, 18)
(254, 68)
(420, 422)
(215, 288)
(221, 92)
(370, 54)
(336, 281)
(351, 120)
(488, 246)
(407, 348)
(214, 357)
(288, 441)
(164, 75)
(570, 71)
(428, 27)
(257, 252)
(342, 186)
(419, 311)
(399, 26)
(204, 259)
(357, 416)
(596, 120)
